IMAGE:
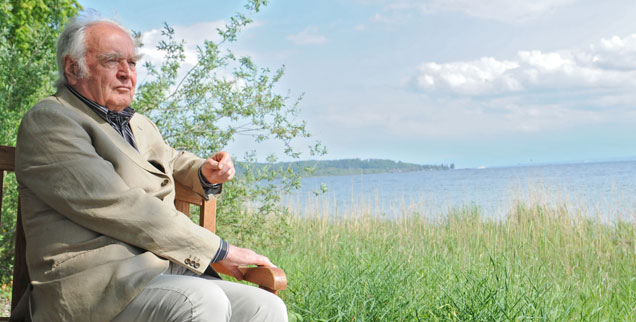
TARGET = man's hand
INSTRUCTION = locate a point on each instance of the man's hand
(218, 168)
(237, 256)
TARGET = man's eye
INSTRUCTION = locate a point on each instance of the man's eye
(132, 63)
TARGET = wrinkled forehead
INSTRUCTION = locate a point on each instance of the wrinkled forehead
(109, 39)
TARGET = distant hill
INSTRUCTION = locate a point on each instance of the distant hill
(354, 166)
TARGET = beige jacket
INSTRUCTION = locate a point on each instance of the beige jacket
(99, 218)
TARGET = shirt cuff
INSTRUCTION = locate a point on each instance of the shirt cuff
(210, 188)
(221, 253)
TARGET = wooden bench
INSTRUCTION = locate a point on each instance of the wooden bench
(270, 279)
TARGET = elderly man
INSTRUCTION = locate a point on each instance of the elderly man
(104, 240)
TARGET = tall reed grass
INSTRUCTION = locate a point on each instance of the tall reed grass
(541, 262)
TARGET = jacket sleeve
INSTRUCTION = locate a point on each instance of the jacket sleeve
(57, 161)
(185, 165)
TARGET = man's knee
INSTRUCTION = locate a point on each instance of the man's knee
(210, 303)
(272, 308)
(260, 306)
(178, 298)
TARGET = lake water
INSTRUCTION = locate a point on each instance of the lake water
(606, 190)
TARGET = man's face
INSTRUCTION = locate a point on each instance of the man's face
(110, 61)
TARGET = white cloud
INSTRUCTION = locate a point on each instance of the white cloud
(309, 36)
(531, 92)
(502, 10)
(392, 20)
(615, 53)
(482, 76)
(464, 118)
(193, 36)
(609, 64)
(381, 19)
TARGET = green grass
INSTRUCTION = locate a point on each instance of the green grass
(540, 263)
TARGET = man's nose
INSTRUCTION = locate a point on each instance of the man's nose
(124, 70)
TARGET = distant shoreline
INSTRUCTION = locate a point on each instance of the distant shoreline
(344, 167)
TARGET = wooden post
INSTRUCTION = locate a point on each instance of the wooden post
(1, 187)
(21, 278)
(208, 214)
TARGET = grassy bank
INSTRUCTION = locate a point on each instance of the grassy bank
(538, 264)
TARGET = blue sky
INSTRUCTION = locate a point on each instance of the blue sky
(475, 83)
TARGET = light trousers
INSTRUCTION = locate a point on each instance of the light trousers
(180, 295)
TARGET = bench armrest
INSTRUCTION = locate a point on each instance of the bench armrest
(271, 279)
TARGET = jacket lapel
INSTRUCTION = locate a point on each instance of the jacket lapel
(71, 101)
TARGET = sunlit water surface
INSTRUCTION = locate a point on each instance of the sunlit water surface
(606, 190)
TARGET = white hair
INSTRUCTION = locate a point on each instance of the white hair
(72, 43)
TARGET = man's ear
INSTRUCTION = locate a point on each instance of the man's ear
(71, 70)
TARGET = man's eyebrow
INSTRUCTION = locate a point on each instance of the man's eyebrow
(109, 56)
(117, 56)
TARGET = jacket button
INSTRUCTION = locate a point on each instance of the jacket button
(164, 182)
(196, 265)
(187, 261)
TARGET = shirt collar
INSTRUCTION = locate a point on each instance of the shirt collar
(107, 115)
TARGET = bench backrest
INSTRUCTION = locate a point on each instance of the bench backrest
(20, 272)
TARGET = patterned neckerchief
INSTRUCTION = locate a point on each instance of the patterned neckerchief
(119, 121)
